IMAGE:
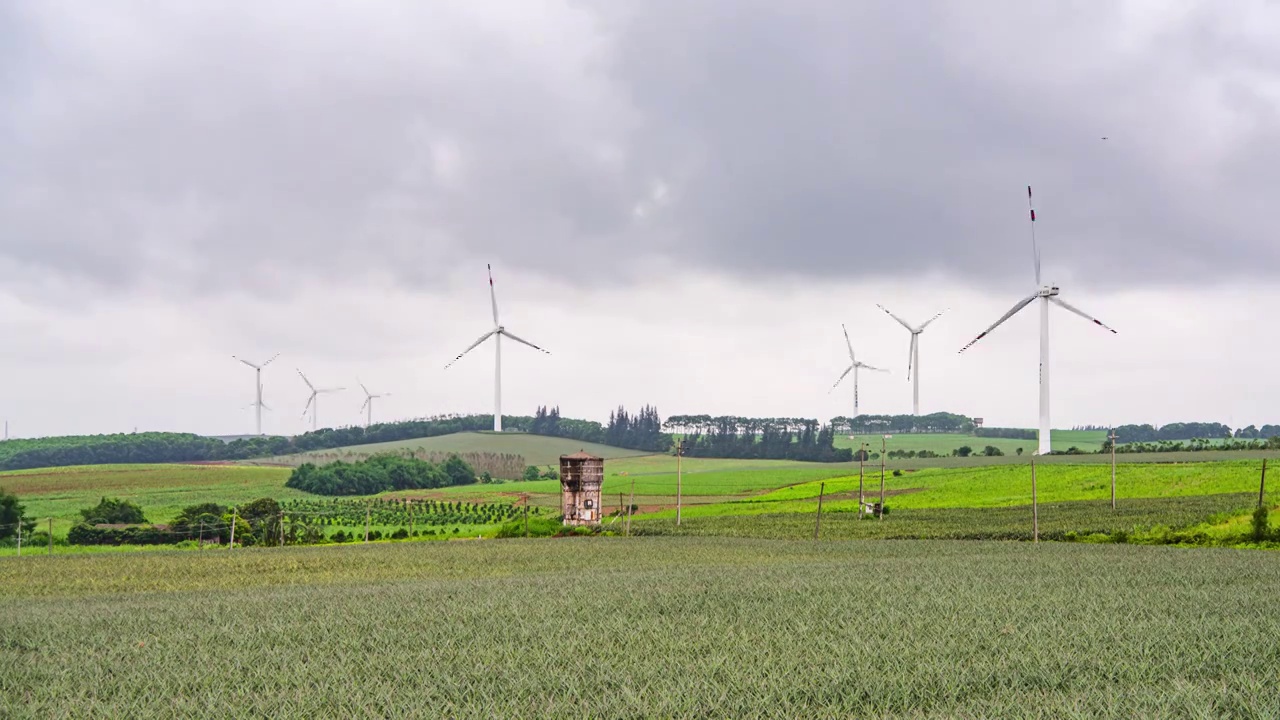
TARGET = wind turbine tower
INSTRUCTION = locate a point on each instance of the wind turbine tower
(313, 402)
(368, 404)
(497, 333)
(854, 365)
(257, 386)
(913, 355)
(1045, 294)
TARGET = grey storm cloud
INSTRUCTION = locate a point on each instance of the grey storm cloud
(207, 147)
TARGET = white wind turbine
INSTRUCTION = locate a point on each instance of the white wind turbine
(913, 355)
(1046, 294)
(368, 403)
(313, 402)
(854, 365)
(497, 334)
(257, 386)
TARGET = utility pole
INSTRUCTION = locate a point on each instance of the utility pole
(679, 478)
(366, 521)
(19, 537)
(50, 536)
(862, 456)
(200, 543)
(1035, 508)
(1262, 484)
(631, 504)
(526, 517)
(817, 523)
(883, 445)
(281, 528)
(233, 529)
(1113, 468)
(410, 504)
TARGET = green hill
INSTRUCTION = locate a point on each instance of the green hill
(536, 449)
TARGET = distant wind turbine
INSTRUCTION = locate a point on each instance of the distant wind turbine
(854, 365)
(497, 334)
(257, 386)
(313, 402)
(368, 403)
(1046, 294)
(913, 355)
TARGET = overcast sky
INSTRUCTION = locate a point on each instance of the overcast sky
(682, 200)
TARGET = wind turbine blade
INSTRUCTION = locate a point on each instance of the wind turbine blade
(911, 354)
(305, 380)
(309, 401)
(362, 387)
(493, 298)
(842, 377)
(1065, 306)
(901, 322)
(1021, 304)
(847, 343)
(865, 366)
(246, 362)
(363, 405)
(1035, 249)
(473, 345)
(935, 317)
(525, 342)
(273, 357)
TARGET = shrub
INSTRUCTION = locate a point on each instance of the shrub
(992, 451)
(400, 534)
(339, 537)
(963, 451)
(113, 512)
(1260, 526)
(897, 473)
(530, 473)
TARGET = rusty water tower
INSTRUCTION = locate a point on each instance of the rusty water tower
(581, 476)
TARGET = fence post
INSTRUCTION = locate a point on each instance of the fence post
(817, 523)
(234, 517)
(50, 536)
(1262, 484)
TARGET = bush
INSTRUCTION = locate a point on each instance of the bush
(530, 473)
(992, 451)
(963, 451)
(897, 473)
(113, 512)
(1261, 526)
(400, 534)
(538, 527)
(340, 537)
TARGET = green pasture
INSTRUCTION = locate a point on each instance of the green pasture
(161, 490)
(644, 627)
(944, 443)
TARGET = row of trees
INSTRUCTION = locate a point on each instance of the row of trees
(1009, 433)
(380, 473)
(762, 438)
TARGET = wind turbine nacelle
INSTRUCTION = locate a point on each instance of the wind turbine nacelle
(1048, 291)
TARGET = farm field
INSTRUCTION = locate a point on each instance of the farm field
(672, 627)
(540, 450)
(1218, 517)
(161, 490)
(944, 443)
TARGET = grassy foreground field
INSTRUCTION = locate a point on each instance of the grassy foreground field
(646, 627)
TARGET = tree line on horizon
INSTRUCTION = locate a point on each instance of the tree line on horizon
(645, 431)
